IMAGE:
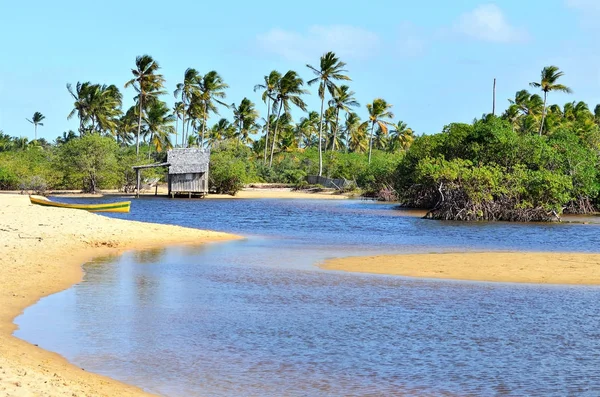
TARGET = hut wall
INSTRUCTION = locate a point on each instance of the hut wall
(190, 182)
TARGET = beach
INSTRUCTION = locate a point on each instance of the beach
(507, 267)
(41, 252)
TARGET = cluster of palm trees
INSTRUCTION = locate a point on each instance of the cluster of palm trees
(199, 97)
(13, 143)
(529, 113)
(336, 127)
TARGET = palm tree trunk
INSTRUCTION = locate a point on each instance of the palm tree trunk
(183, 136)
(543, 113)
(275, 136)
(176, 126)
(35, 131)
(268, 129)
(203, 126)
(321, 137)
(371, 141)
(347, 139)
(137, 138)
(186, 129)
(337, 120)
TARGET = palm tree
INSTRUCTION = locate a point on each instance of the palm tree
(158, 124)
(220, 131)
(148, 84)
(62, 139)
(104, 108)
(401, 137)
(289, 91)
(287, 138)
(212, 89)
(307, 129)
(342, 99)
(512, 116)
(328, 126)
(186, 90)
(80, 94)
(381, 139)
(36, 120)
(127, 126)
(179, 111)
(330, 70)
(269, 94)
(379, 111)
(245, 116)
(550, 75)
(356, 137)
(21, 142)
(6, 142)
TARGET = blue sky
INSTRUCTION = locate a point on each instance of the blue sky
(433, 60)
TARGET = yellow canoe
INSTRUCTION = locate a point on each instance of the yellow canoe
(122, 206)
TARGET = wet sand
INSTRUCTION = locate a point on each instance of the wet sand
(41, 252)
(509, 267)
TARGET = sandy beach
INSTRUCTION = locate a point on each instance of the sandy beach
(510, 267)
(41, 252)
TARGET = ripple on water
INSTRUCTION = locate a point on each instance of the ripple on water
(254, 318)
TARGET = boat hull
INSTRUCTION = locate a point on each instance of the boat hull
(122, 206)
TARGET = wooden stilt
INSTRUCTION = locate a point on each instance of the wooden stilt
(138, 183)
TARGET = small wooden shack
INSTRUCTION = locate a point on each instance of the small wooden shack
(188, 171)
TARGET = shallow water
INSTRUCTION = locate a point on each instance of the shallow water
(257, 318)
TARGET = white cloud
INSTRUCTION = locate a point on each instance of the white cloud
(488, 23)
(589, 11)
(584, 5)
(348, 42)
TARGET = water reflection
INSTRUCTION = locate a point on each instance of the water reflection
(152, 255)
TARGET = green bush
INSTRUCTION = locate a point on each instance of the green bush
(90, 163)
(231, 167)
(227, 173)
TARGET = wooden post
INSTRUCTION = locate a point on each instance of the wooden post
(156, 189)
(138, 182)
(494, 99)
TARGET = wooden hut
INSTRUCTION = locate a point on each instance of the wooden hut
(188, 171)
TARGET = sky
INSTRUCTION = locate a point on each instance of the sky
(434, 61)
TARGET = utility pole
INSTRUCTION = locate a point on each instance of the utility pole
(494, 99)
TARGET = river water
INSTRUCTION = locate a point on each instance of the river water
(257, 318)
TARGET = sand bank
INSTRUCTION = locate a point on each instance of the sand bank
(41, 252)
(512, 267)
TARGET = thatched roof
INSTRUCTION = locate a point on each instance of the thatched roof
(189, 160)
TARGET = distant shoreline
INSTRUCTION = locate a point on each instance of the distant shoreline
(247, 193)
